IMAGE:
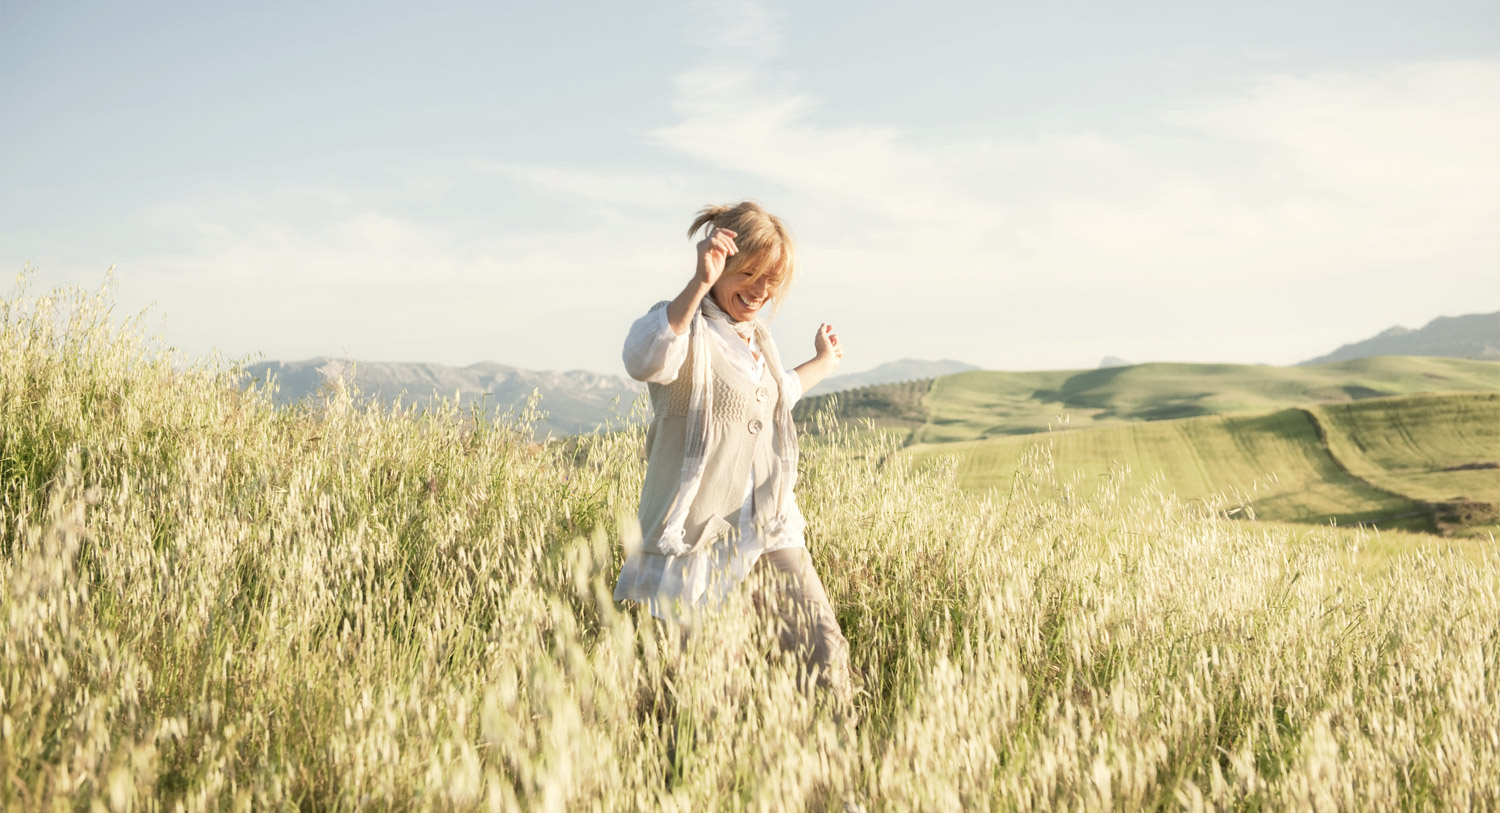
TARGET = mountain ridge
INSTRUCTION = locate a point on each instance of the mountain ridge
(1471, 336)
(577, 401)
(574, 401)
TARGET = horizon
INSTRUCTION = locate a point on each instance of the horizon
(1018, 189)
(841, 373)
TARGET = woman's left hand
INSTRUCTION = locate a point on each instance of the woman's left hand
(826, 343)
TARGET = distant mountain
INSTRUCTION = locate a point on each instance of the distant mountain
(574, 401)
(890, 372)
(1476, 336)
(1114, 361)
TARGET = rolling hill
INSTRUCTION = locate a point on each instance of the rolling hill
(891, 372)
(1426, 462)
(1435, 448)
(975, 405)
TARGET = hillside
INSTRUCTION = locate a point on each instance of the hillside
(1475, 336)
(1434, 448)
(888, 406)
(1427, 462)
(891, 372)
(975, 405)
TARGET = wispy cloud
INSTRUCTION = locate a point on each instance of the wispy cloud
(1298, 183)
(737, 113)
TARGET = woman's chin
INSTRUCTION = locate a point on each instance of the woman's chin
(735, 309)
(744, 314)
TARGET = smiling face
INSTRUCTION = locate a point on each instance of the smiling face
(744, 294)
(761, 272)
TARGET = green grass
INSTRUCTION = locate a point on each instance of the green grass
(970, 406)
(1421, 446)
(1442, 449)
(1376, 461)
(1274, 461)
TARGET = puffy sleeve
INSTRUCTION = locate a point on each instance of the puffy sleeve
(791, 386)
(653, 353)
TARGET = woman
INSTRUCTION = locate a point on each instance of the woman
(717, 506)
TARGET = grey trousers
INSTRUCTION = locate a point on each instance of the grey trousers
(787, 589)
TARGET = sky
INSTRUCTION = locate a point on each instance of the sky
(1018, 186)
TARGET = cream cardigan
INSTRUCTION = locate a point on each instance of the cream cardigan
(724, 538)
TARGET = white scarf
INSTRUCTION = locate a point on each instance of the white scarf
(700, 406)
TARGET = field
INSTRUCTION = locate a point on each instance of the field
(1382, 461)
(1430, 447)
(981, 404)
(208, 603)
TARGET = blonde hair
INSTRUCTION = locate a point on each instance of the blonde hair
(765, 244)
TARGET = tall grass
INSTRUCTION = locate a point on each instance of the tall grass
(208, 603)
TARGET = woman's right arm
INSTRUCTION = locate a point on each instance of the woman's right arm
(658, 344)
(653, 351)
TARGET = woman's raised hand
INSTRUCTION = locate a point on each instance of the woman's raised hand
(714, 250)
(826, 344)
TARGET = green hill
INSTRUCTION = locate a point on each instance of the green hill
(1441, 449)
(970, 406)
(1419, 462)
(975, 405)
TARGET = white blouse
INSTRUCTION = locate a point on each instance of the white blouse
(655, 354)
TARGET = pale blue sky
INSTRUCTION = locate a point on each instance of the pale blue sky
(1017, 186)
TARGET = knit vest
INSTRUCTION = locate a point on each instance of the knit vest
(739, 441)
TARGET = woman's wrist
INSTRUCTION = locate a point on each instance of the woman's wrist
(811, 373)
(680, 312)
